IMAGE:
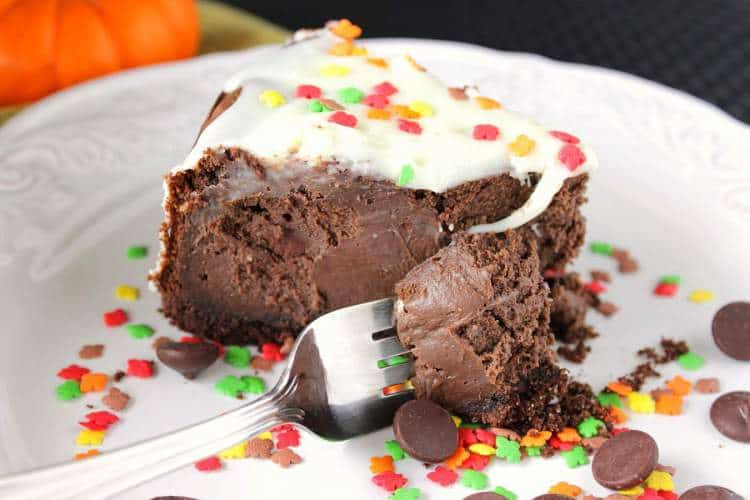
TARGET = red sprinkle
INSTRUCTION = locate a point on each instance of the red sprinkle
(189, 339)
(140, 368)
(443, 476)
(571, 156)
(385, 89)
(595, 287)
(553, 273)
(115, 318)
(618, 430)
(308, 91)
(486, 132)
(73, 372)
(282, 428)
(102, 417)
(667, 495)
(271, 352)
(565, 137)
(344, 119)
(409, 126)
(649, 494)
(559, 444)
(475, 461)
(378, 101)
(208, 464)
(287, 438)
(93, 426)
(665, 290)
(466, 437)
(389, 481)
(485, 436)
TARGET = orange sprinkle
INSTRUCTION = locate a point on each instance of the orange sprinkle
(565, 489)
(378, 114)
(669, 404)
(346, 29)
(487, 103)
(378, 61)
(342, 48)
(93, 382)
(569, 435)
(619, 388)
(679, 386)
(381, 464)
(86, 454)
(535, 438)
(404, 111)
(458, 457)
(616, 415)
(414, 64)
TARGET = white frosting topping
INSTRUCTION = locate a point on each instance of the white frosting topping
(278, 126)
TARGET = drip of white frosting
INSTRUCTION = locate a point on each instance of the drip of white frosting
(443, 156)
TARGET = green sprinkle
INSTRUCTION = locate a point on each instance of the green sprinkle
(253, 384)
(534, 451)
(589, 427)
(474, 479)
(136, 252)
(68, 390)
(351, 95)
(507, 449)
(406, 175)
(690, 361)
(237, 356)
(670, 279)
(139, 331)
(230, 386)
(394, 450)
(575, 457)
(399, 359)
(607, 398)
(601, 248)
(406, 494)
(470, 425)
(509, 495)
(317, 107)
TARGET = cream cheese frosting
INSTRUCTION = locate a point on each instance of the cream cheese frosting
(385, 118)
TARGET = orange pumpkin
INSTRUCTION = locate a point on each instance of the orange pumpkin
(46, 45)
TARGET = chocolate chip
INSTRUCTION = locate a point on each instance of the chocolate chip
(731, 330)
(709, 492)
(730, 414)
(552, 496)
(484, 495)
(425, 431)
(625, 461)
(188, 358)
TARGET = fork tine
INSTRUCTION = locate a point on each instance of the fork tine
(389, 347)
(369, 317)
(396, 374)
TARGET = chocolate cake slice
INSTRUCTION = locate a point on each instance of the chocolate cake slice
(476, 318)
(324, 174)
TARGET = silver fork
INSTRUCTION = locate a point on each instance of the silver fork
(332, 386)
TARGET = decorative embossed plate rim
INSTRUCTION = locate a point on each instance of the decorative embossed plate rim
(80, 180)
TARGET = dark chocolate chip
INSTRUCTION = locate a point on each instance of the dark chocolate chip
(484, 495)
(731, 330)
(425, 431)
(552, 496)
(730, 414)
(188, 358)
(709, 492)
(626, 460)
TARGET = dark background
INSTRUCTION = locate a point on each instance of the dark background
(699, 46)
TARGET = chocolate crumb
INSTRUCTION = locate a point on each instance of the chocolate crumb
(594, 443)
(707, 385)
(506, 433)
(285, 458)
(260, 448)
(331, 104)
(657, 393)
(458, 93)
(598, 275)
(672, 349)
(116, 399)
(91, 351)
(119, 375)
(90, 406)
(261, 364)
(607, 308)
(576, 354)
(286, 345)
(666, 468)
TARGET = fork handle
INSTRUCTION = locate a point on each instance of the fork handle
(112, 472)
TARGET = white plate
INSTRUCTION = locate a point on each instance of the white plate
(80, 181)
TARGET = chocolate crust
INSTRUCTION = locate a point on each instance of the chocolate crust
(253, 253)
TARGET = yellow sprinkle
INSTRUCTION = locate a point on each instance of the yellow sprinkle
(405, 112)
(378, 61)
(535, 438)
(265, 435)
(271, 98)
(334, 70)
(87, 437)
(126, 292)
(640, 402)
(487, 103)
(422, 108)
(482, 449)
(358, 50)
(522, 146)
(631, 492)
(700, 295)
(456, 420)
(235, 452)
(660, 480)
(378, 114)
